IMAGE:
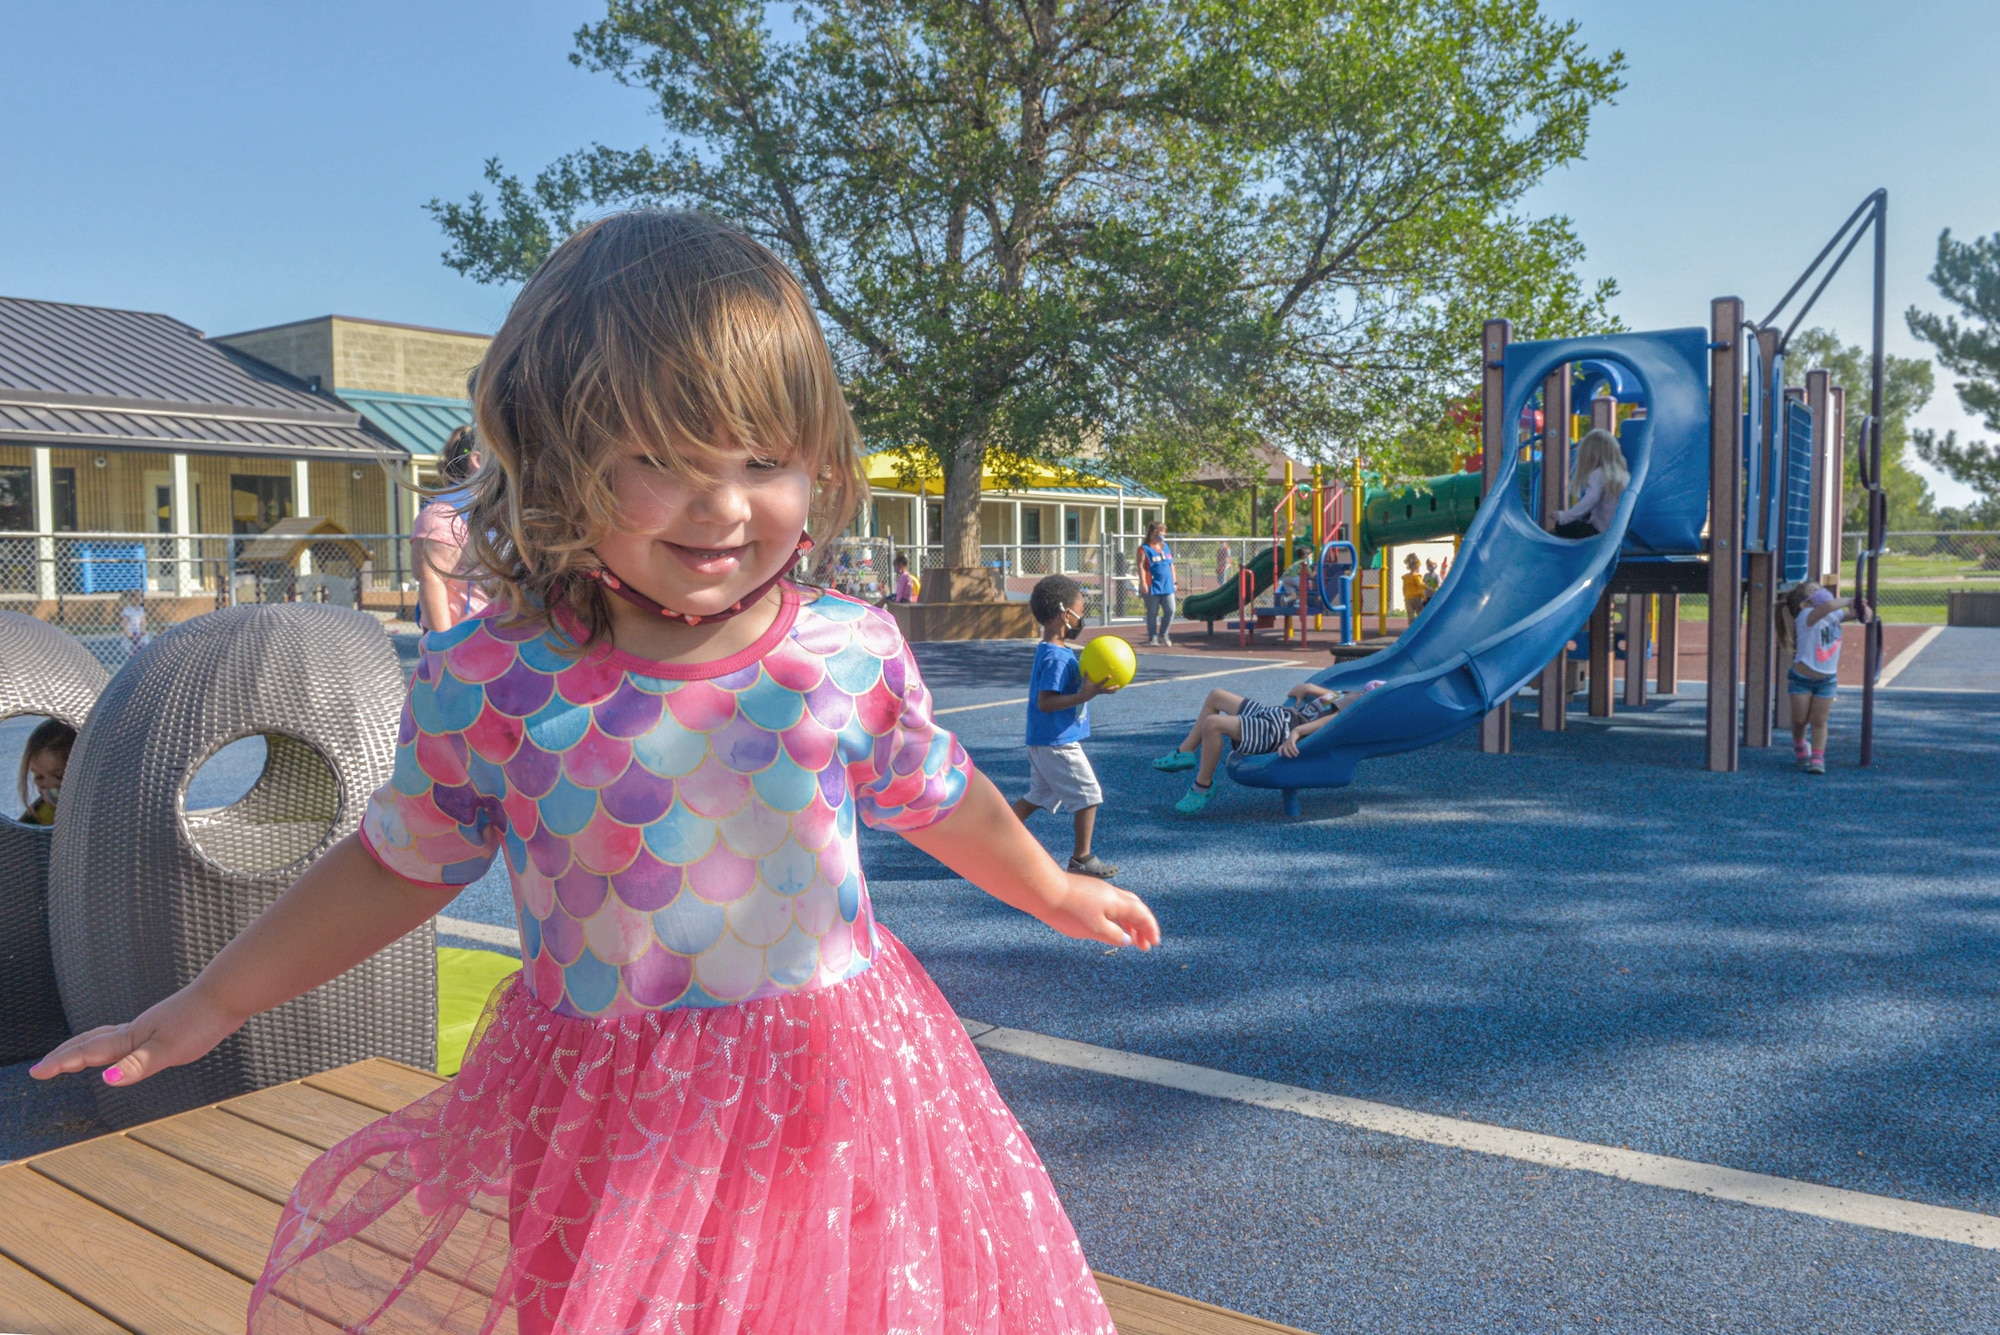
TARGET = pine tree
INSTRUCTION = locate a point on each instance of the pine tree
(1967, 274)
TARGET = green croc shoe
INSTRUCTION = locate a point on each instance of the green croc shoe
(1174, 761)
(1194, 800)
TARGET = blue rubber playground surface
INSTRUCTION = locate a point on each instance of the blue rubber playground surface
(1591, 937)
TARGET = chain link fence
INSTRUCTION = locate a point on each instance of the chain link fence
(1108, 570)
(1917, 570)
(115, 591)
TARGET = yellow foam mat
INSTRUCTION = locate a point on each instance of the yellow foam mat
(466, 978)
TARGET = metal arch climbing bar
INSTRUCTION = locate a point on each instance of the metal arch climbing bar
(1346, 579)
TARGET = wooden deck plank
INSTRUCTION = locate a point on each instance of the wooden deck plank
(217, 1221)
(303, 1113)
(163, 1226)
(383, 1085)
(253, 1157)
(30, 1304)
(1139, 1309)
(140, 1281)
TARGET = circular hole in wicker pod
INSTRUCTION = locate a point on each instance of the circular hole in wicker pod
(263, 803)
(17, 732)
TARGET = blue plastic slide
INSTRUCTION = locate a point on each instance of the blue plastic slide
(1516, 594)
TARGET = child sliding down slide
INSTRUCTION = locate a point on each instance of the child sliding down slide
(719, 1096)
(1255, 728)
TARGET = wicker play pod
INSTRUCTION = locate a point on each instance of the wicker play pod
(143, 893)
(42, 672)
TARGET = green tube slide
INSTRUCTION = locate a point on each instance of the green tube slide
(1440, 507)
(1218, 603)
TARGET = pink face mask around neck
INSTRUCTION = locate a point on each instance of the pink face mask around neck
(606, 577)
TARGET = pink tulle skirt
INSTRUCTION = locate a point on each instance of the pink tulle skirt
(832, 1161)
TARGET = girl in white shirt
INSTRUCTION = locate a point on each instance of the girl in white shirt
(1809, 637)
(1600, 463)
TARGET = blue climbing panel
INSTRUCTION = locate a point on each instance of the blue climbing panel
(1798, 491)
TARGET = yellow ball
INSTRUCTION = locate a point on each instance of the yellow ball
(1108, 661)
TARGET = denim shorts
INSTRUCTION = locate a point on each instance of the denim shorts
(1798, 683)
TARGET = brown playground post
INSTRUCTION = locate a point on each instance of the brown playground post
(1553, 696)
(1638, 635)
(1496, 733)
(1760, 562)
(1603, 417)
(1725, 527)
(1600, 658)
(1667, 676)
(1824, 490)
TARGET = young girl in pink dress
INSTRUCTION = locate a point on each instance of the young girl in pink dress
(719, 1097)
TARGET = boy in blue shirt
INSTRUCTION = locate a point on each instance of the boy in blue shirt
(1059, 697)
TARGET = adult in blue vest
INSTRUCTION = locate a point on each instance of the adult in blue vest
(1156, 585)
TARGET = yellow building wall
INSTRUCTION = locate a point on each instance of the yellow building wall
(357, 504)
(403, 360)
(367, 354)
(110, 499)
(304, 349)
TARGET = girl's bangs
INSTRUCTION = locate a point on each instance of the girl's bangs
(738, 385)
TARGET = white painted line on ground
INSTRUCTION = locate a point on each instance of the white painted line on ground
(1939, 690)
(1907, 657)
(484, 933)
(1163, 681)
(1657, 1170)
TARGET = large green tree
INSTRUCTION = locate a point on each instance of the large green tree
(1906, 388)
(1160, 230)
(1967, 274)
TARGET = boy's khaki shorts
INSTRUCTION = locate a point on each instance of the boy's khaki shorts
(1060, 778)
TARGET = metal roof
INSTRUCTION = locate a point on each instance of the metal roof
(95, 377)
(1133, 492)
(420, 423)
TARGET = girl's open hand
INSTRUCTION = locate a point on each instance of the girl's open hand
(1290, 746)
(1095, 910)
(172, 1033)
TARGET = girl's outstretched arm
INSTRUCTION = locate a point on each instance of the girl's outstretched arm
(983, 841)
(346, 907)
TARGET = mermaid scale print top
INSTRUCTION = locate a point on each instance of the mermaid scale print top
(676, 835)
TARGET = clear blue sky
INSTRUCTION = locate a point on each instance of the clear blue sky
(239, 164)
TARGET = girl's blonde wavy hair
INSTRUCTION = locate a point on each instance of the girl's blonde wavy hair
(1600, 449)
(673, 329)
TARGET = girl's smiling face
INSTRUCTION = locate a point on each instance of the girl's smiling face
(700, 548)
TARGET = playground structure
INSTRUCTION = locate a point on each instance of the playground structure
(1735, 492)
(1337, 549)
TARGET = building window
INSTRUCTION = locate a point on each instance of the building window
(257, 502)
(1031, 526)
(17, 500)
(62, 494)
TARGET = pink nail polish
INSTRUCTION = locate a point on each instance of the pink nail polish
(112, 1075)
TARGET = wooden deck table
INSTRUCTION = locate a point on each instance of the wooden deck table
(162, 1229)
